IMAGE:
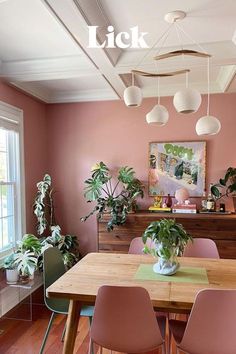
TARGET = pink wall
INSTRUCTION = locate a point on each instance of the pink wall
(84, 133)
(35, 132)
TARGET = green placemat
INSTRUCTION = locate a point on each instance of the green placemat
(183, 275)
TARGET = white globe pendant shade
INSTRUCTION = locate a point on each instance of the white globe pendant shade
(208, 125)
(158, 115)
(187, 100)
(133, 96)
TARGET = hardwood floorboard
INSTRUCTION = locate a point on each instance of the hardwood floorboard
(25, 337)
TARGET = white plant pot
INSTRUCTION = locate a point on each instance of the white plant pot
(12, 276)
(166, 266)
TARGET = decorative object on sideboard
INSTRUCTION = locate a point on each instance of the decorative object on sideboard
(113, 195)
(175, 165)
(187, 100)
(181, 195)
(169, 238)
(226, 186)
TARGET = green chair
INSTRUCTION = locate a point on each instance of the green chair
(53, 268)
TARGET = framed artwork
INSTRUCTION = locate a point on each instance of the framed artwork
(174, 165)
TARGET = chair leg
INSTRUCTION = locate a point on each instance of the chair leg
(90, 321)
(169, 342)
(47, 332)
(163, 348)
(63, 333)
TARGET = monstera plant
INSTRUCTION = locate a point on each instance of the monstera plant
(113, 195)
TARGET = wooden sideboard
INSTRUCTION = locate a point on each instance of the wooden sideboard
(220, 228)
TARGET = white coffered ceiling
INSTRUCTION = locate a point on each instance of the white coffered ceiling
(44, 46)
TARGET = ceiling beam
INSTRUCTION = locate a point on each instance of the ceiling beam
(76, 23)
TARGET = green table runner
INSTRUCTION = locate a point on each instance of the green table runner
(183, 275)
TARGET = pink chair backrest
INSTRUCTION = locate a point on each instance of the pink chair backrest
(211, 324)
(201, 248)
(124, 320)
(137, 245)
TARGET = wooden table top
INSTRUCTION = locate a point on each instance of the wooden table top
(96, 269)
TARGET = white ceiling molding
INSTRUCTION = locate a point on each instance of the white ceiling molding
(226, 76)
(82, 96)
(48, 69)
(33, 90)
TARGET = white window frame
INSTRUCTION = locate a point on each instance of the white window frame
(11, 118)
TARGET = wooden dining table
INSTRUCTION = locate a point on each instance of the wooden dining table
(81, 283)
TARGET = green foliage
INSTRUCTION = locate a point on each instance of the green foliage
(44, 211)
(168, 234)
(30, 243)
(26, 262)
(115, 196)
(226, 185)
(43, 205)
(67, 244)
(9, 261)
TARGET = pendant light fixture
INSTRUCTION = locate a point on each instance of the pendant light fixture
(187, 100)
(159, 114)
(133, 95)
(208, 125)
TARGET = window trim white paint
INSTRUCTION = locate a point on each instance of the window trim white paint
(14, 117)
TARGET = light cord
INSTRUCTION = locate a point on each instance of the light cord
(189, 37)
(208, 86)
(155, 44)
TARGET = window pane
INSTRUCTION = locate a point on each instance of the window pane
(7, 231)
(3, 140)
(6, 200)
(3, 166)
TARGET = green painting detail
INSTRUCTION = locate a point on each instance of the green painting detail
(174, 165)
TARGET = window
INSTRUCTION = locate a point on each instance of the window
(12, 210)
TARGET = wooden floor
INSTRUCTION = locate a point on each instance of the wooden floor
(25, 337)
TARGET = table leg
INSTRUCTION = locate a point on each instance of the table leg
(71, 326)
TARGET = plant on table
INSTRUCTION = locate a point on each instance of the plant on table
(115, 196)
(169, 239)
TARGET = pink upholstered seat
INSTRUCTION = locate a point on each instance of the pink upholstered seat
(201, 248)
(137, 245)
(124, 321)
(211, 325)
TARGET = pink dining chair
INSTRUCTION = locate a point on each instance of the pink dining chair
(124, 321)
(211, 325)
(201, 248)
(137, 245)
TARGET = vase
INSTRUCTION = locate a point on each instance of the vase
(166, 266)
(11, 276)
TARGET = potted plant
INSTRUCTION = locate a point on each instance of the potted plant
(169, 239)
(26, 263)
(11, 269)
(46, 224)
(226, 186)
(115, 196)
(67, 244)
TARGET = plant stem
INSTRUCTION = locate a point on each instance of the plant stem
(107, 193)
(115, 187)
